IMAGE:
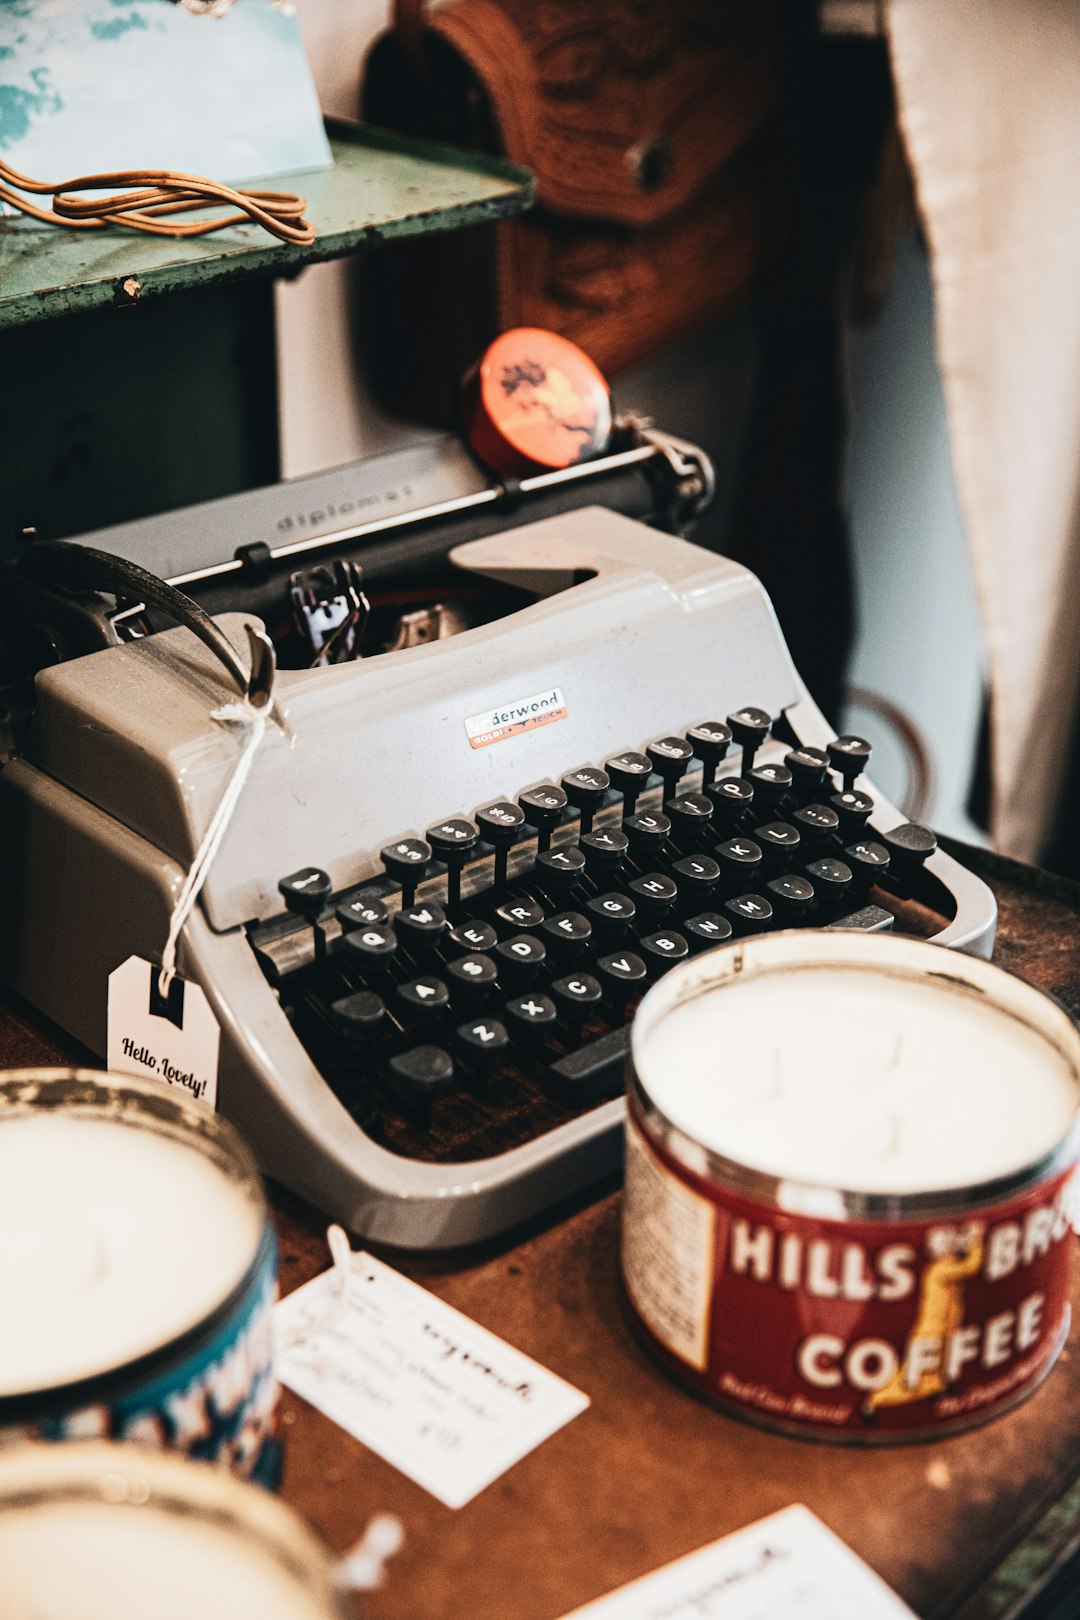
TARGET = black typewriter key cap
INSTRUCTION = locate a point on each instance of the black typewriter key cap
(593, 1072)
(359, 912)
(361, 1017)
(808, 767)
(832, 879)
(749, 913)
(670, 758)
(710, 742)
(869, 862)
(530, 1017)
(689, 815)
(780, 843)
(817, 823)
(566, 934)
(791, 897)
(623, 975)
(305, 894)
(499, 824)
(585, 789)
(849, 756)
(647, 834)
(473, 936)
(739, 859)
(604, 850)
(405, 862)
(470, 977)
(370, 949)
(557, 870)
(419, 1076)
(520, 913)
(705, 930)
(453, 841)
(853, 809)
(654, 894)
(731, 798)
(662, 950)
(577, 996)
(697, 877)
(481, 1045)
(909, 846)
(749, 727)
(611, 914)
(422, 1000)
(542, 807)
(421, 928)
(771, 784)
(630, 773)
(520, 958)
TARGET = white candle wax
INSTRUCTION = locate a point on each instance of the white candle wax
(856, 1079)
(114, 1239)
(90, 1561)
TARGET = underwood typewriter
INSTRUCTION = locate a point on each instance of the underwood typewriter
(460, 859)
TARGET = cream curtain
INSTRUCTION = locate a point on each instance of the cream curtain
(989, 103)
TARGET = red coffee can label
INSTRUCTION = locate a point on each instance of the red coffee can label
(869, 1329)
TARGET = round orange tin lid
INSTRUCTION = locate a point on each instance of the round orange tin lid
(536, 402)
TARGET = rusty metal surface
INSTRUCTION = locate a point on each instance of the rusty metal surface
(381, 187)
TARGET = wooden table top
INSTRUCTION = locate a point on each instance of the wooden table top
(649, 1473)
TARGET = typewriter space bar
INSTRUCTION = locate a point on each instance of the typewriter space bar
(594, 1071)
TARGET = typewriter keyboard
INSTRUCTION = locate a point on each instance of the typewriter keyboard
(479, 992)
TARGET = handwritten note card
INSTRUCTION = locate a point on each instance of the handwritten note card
(787, 1564)
(439, 1397)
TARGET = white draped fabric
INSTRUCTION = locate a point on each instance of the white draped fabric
(989, 103)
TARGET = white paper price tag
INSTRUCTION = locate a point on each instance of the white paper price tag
(173, 1039)
(787, 1564)
(434, 1394)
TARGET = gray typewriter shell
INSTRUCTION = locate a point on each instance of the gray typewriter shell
(99, 819)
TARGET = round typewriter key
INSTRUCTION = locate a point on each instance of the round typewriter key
(361, 1017)
(850, 756)
(909, 845)
(779, 842)
(520, 913)
(630, 773)
(670, 758)
(705, 930)
(731, 796)
(557, 870)
(448, 838)
(791, 897)
(654, 894)
(371, 949)
(771, 783)
(421, 928)
(566, 934)
(738, 859)
(662, 950)
(816, 823)
(623, 975)
(869, 861)
(832, 879)
(749, 727)
(405, 861)
(305, 894)
(420, 1076)
(520, 958)
(853, 809)
(751, 913)
(535, 402)
(473, 936)
(585, 789)
(647, 834)
(711, 741)
(603, 850)
(360, 912)
(530, 1016)
(576, 996)
(471, 977)
(612, 914)
(422, 1000)
(499, 825)
(697, 877)
(689, 815)
(864, 1155)
(542, 807)
(808, 767)
(481, 1044)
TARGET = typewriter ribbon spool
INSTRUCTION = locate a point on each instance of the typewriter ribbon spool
(137, 1272)
(850, 1183)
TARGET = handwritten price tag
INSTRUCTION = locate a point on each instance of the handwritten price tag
(434, 1394)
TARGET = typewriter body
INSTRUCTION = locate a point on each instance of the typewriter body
(434, 1055)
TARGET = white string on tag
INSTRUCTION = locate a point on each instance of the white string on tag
(253, 721)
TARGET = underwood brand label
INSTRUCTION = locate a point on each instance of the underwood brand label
(522, 714)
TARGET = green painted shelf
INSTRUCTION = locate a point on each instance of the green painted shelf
(381, 187)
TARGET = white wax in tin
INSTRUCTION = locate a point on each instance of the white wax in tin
(858, 1080)
(113, 1240)
(90, 1561)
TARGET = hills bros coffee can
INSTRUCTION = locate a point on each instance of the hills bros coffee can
(851, 1182)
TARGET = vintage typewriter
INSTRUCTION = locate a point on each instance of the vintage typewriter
(461, 858)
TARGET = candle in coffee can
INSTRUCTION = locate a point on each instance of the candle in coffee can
(850, 1182)
(114, 1532)
(138, 1269)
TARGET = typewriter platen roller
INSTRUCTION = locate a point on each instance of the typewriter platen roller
(498, 838)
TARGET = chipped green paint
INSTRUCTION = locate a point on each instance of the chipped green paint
(381, 187)
(117, 26)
